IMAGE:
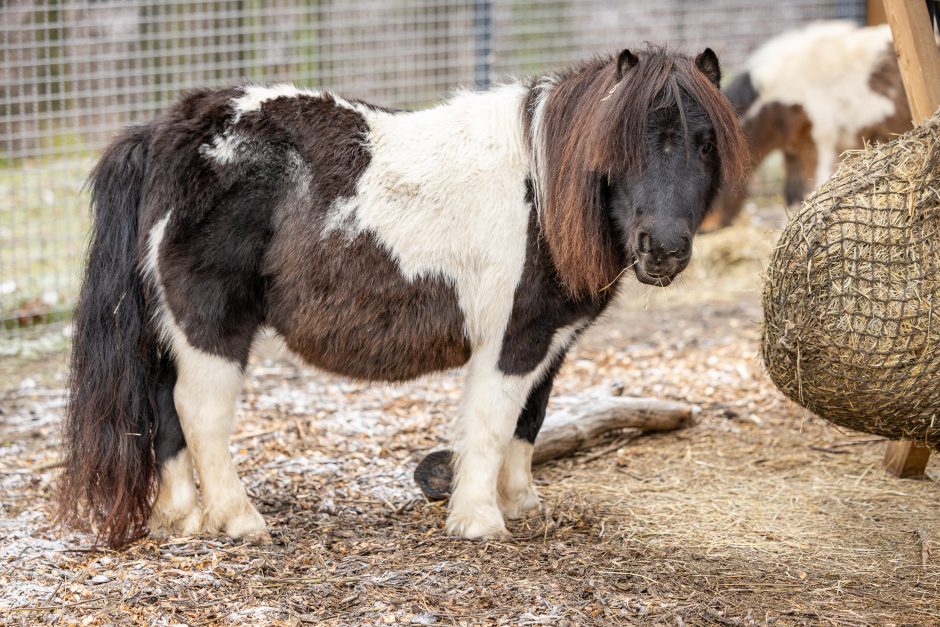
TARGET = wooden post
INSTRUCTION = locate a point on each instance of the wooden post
(917, 55)
(919, 60)
(875, 13)
(906, 458)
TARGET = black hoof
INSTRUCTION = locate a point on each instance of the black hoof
(434, 475)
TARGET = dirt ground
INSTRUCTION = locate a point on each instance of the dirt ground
(759, 514)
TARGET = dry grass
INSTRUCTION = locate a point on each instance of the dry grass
(760, 514)
(853, 292)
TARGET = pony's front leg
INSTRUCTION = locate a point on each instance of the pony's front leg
(515, 488)
(485, 424)
(206, 392)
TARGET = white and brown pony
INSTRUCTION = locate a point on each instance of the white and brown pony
(814, 93)
(487, 231)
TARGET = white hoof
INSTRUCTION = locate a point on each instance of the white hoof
(516, 493)
(240, 522)
(175, 522)
(176, 511)
(521, 504)
(480, 524)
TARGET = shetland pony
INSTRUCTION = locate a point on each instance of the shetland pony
(814, 93)
(488, 231)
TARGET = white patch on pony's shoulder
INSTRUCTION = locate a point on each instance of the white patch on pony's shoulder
(444, 194)
(825, 68)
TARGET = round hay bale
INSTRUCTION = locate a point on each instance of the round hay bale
(852, 294)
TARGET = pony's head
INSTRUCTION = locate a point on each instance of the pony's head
(629, 154)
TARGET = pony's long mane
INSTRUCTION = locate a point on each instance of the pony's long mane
(584, 126)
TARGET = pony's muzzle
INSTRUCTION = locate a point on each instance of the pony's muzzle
(660, 259)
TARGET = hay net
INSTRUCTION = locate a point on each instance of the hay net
(852, 294)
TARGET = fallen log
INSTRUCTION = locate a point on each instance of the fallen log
(583, 424)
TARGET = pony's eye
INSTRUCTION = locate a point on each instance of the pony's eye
(707, 148)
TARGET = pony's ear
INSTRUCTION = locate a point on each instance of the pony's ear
(707, 62)
(626, 60)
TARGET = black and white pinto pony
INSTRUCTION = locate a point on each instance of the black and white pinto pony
(813, 93)
(489, 231)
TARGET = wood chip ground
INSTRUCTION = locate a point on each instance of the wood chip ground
(759, 514)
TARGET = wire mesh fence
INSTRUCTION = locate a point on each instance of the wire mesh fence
(73, 72)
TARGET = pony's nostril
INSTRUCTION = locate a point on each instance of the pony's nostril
(685, 248)
(643, 243)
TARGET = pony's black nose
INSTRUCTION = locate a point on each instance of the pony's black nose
(684, 251)
(660, 257)
(663, 249)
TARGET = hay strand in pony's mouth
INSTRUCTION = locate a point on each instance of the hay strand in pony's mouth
(620, 274)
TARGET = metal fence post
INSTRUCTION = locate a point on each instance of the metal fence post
(483, 38)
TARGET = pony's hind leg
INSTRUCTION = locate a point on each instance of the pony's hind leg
(205, 393)
(204, 259)
(176, 510)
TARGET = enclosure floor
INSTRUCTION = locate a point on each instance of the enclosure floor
(760, 514)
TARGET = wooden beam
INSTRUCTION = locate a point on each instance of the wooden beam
(563, 435)
(906, 458)
(918, 56)
(919, 61)
(875, 13)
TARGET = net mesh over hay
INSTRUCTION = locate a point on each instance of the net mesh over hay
(852, 294)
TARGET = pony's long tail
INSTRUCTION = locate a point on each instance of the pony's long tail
(110, 471)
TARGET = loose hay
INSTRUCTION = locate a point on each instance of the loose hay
(851, 296)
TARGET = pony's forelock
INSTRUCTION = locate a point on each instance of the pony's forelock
(586, 126)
